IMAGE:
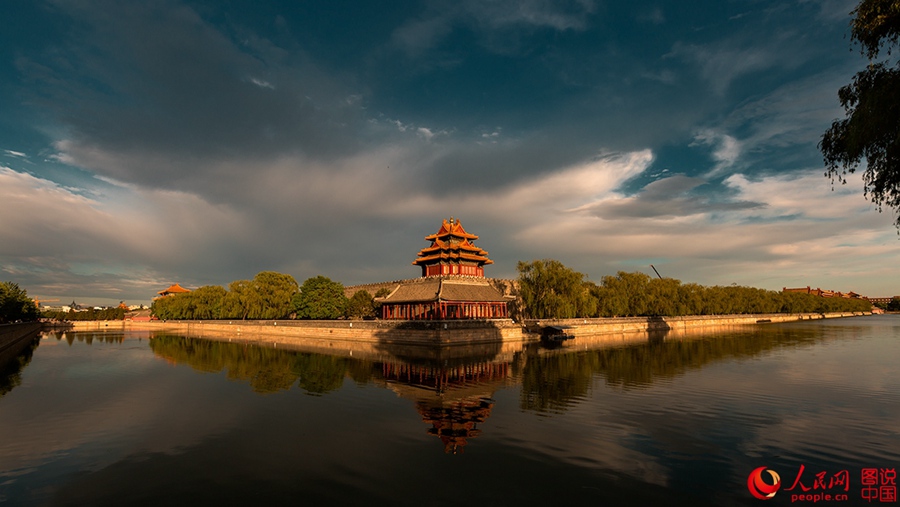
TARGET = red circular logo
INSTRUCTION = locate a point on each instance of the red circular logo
(759, 488)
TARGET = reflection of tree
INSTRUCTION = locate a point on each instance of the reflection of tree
(361, 372)
(320, 374)
(638, 366)
(88, 338)
(266, 370)
(11, 371)
(549, 382)
(554, 381)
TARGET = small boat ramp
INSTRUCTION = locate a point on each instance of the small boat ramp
(557, 334)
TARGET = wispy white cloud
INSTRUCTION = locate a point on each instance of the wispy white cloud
(654, 15)
(417, 36)
(726, 149)
(262, 83)
(672, 196)
(720, 66)
(486, 18)
(540, 13)
(426, 133)
(62, 242)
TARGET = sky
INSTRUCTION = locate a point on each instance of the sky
(201, 142)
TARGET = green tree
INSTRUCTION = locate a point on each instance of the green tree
(170, 307)
(624, 294)
(240, 300)
(662, 297)
(894, 305)
(15, 304)
(206, 302)
(268, 296)
(361, 305)
(276, 292)
(871, 102)
(550, 290)
(320, 298)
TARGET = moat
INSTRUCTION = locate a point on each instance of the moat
(151, 418)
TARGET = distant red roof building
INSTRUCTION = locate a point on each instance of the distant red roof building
(173, 289)
(824, 293)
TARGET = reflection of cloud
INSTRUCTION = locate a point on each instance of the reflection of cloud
(839, 387)
(128, 414)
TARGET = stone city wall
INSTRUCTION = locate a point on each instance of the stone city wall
(335, 333)
(15, 337)
(582, 327)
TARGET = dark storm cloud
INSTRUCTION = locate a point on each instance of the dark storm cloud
(330, 137)
(157, 84)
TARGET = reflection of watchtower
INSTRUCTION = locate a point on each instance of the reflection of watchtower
(452, 399)
(457, 421)
(441, 378)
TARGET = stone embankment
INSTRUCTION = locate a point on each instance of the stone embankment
(343, 333)
(15, 337)
(682, 324)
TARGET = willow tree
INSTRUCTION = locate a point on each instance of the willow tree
(871, 102)
(268, 296)
(550, 290)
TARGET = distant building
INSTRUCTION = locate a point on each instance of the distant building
(452, 285)
(172, 290)
(825, 293)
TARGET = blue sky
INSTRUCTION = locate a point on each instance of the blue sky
(147, 143)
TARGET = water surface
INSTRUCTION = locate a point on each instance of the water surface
(150, 419)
